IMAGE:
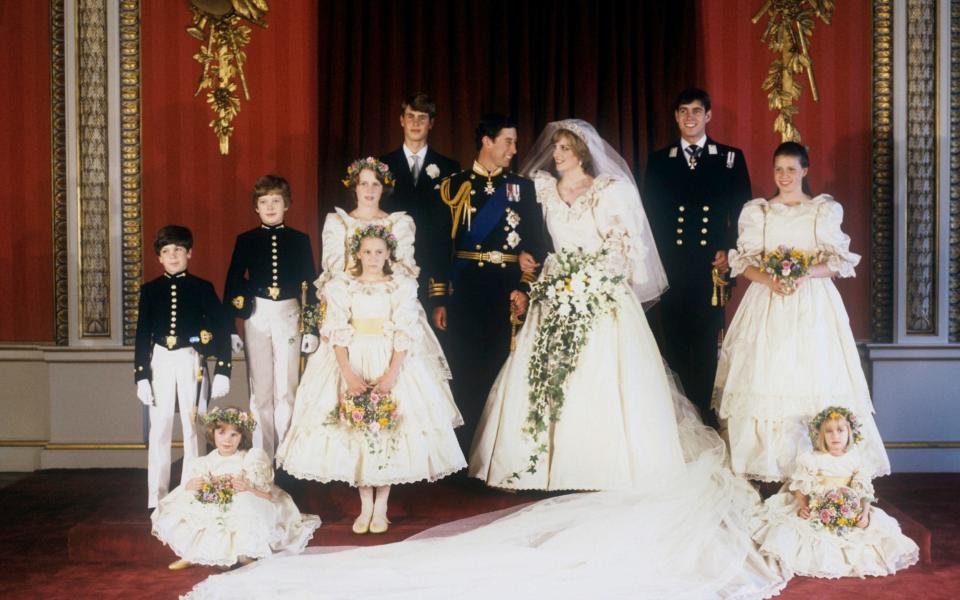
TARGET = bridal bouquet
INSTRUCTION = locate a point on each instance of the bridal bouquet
(787, 265)
(574, 292)
(837, 510)
(370, 413)
(216, 490)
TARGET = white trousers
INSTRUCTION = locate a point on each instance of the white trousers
(174, 380)
(272, 341)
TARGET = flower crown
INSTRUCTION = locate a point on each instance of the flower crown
(378, 231)
(382, 170)
(241, 419)
(829, 414)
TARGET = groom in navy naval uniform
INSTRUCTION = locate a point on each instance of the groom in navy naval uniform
(491, 222)
(693, 192)
(418, 169)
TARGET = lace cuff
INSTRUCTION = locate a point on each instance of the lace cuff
(834, 243)
(739, 260)
(862, 484)
(804, 477)
(257, 469)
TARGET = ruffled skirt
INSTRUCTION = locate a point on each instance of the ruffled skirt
(878, 549)
(784, 360)
(423, 445)
(251, 527)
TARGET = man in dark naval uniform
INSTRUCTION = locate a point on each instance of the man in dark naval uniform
(491, 217)
(693, 192)
(417, 169)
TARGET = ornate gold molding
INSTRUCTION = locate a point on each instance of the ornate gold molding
(788, 31)
(131, 238)
(93, 205)
(954, 292)
(882, 243)
(58, 173)
(218, 23)
(921, 170)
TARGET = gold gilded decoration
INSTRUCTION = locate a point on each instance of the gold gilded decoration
(205, 336)
(921, 169)
(219, 23)
(789, 27)
(954, 265)
(460, 205)
(882, 243)
(131, 240)
(58, 173)
(720, 284)
(93, 206)
(515, 323)
(170, 341)
(237, 302)
(274, 292)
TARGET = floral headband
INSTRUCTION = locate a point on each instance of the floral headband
(832, 413)
(240, 419)
(376, 231)
(381, 169)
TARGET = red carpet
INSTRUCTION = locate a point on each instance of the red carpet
(85, 534)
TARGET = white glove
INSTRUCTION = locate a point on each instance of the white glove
(221, 386)
(236, 344)
(309, 344)
(145, 392)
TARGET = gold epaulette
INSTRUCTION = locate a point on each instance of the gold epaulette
(460, 206)
(435, 289)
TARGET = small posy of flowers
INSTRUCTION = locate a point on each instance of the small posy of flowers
(837, 510)
(787, 264)
(371, 413)
(378, 231)
(216, 490)
(832, 413)
(353, 171)
(572, 295)
(313, 315)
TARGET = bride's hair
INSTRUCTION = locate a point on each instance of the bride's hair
(579, 148)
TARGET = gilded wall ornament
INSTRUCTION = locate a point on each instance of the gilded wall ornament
(789, 27)
(219, 24)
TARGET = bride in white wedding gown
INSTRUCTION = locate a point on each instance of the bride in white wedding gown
(680, 531)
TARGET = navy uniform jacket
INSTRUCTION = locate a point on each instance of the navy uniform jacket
(181, 311)
(518, 227)
(268, 262)
(694, 212)
(420, 201)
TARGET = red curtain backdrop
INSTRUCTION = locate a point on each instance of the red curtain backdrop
(185, 179)
(614, 64)
(26, 235)
(733, 63)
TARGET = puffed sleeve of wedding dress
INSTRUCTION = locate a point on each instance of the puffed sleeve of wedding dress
(336, 325)
(404, 229)
(333, 247)
(832, 241)
(257, 469)
(617, 225)
(749, 237)
(404, 323)
(861, 481)
(804, 477)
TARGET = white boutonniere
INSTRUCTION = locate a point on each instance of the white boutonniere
(513, 238)
(433, 171)
(513, 219)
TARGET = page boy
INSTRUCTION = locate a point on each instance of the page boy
(180, 322)
(269, 265)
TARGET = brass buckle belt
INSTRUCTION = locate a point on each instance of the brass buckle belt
(494, 258)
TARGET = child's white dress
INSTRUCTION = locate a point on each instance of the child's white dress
(372, 320)
(878, 549)
(250, 526)
(786, 358)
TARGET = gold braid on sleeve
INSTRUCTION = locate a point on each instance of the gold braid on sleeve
(460, 206)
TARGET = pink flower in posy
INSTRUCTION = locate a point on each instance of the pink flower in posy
(374, 427)
(374, 398)
(824, 516)
(357, 416)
